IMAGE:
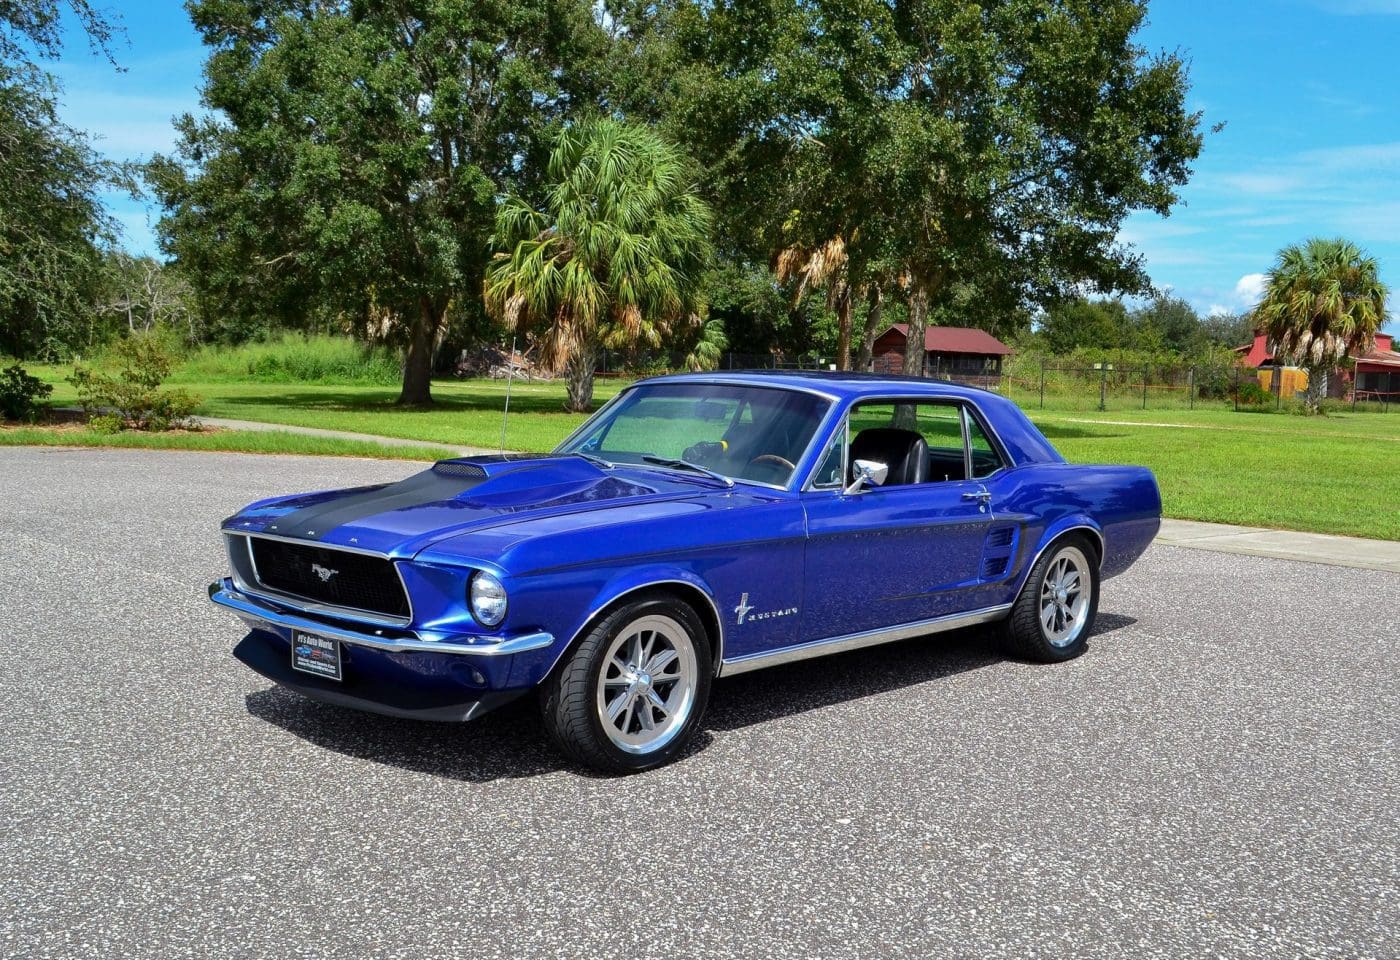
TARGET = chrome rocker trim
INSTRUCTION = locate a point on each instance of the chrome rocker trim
(250, 610)
(855, 641)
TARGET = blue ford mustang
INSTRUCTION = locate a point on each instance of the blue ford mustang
(697, 526)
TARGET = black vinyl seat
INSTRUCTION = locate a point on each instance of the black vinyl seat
(904, 451)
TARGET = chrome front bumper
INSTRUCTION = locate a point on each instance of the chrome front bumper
(256, 611)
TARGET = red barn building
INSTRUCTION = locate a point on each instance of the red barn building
(1377, 370)
(948, 352)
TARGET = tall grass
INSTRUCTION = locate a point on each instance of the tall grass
(293, 358)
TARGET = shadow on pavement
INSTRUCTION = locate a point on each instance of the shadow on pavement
(509, 742)
(506, 743)
(778, 692)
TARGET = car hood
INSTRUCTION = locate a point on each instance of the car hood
(464, 495)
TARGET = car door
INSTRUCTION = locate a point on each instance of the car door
(899, 553)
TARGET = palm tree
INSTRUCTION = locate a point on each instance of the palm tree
(825, 265)
(1323, 300)
(708, 347)
(614, 257)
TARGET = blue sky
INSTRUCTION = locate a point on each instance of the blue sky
(1309, 91)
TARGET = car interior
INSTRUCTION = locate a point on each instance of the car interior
(932, 456)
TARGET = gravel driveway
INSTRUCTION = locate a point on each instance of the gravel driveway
(1216, 776)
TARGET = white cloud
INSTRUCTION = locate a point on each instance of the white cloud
(1249, 288)
(1219, 310)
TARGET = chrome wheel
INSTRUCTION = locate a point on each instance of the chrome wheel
(646, 688)
(1064, 597)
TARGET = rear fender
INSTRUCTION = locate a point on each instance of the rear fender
(1079, 522)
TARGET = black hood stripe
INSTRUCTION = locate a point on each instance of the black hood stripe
(313, 523)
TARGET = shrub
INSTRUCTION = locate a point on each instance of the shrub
(106, 423)
(133, 396)
(1248, 393)
(21, 396)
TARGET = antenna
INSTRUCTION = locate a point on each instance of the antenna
(510, 371)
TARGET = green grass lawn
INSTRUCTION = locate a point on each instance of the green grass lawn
(1333, 474)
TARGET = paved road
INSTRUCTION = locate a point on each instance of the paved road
(1217, 776)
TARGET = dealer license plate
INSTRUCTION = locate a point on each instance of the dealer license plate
(316, 655)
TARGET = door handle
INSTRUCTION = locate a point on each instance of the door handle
(981, 496)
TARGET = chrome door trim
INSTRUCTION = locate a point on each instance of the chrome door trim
(856, 641)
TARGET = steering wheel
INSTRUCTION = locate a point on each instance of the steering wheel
(773, 458)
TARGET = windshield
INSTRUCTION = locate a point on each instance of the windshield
(741, 432)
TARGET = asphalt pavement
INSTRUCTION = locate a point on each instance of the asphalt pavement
(1217, 776)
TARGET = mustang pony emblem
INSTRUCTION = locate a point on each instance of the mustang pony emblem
(325, 573)
(743, 609)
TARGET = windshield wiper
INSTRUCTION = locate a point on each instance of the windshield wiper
(596, 461)
(677, 464)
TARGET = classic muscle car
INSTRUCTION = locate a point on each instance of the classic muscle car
(696, 526)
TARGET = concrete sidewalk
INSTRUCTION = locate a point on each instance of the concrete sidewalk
(447, 449)
(1282, 544)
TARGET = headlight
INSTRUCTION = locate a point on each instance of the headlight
(488, 599)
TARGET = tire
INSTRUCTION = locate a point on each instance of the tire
(1047, 625)
(633, 692)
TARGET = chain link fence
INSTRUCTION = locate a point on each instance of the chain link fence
(1100, 387)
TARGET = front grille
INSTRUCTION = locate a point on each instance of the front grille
(325, 575)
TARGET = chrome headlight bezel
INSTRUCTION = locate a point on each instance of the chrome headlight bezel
(487, 599)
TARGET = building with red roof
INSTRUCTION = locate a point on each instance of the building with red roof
(948, 351)
(1377, 371)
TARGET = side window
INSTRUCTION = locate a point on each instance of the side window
(985, 459)
(940, 425)
(944, 426)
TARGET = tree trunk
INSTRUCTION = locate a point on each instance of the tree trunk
(418, 365)
(579, 371)
(873, 315)
(1317, 388)
(843, 335)
(915, 358)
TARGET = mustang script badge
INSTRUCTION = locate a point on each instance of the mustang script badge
(746, 614)
(325, 573)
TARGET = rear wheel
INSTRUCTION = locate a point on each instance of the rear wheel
(634, 690)
(1052, 617)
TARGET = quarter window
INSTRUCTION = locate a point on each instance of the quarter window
(985, 459)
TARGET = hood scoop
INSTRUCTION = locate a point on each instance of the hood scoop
(502, 473)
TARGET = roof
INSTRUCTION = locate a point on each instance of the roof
(956, 340)
(1017, 434)
(842, 384)
(1383, 358)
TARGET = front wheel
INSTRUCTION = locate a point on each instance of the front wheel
(634, 690)
(1052, 617)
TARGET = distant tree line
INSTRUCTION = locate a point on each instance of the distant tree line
(375, 167)
(1166, 328)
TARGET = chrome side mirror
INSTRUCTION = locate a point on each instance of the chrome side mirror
(868, 472)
